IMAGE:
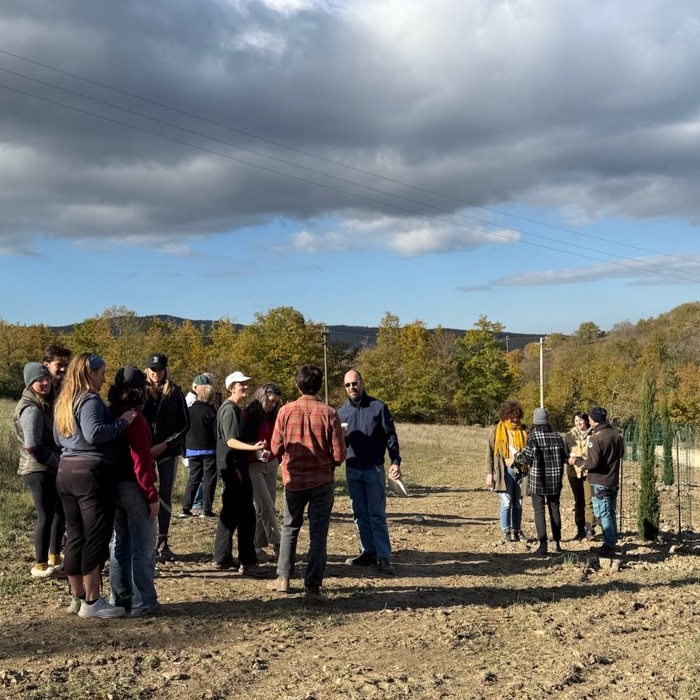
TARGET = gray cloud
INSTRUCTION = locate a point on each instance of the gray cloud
(656, 270)
(593, 109)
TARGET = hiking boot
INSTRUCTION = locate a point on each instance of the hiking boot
(604, 551)
(364, 559)
(313, 595)
(143, 612)
(254, 571)
(556, 547)
(100, 608)
(56, 560)
(263, 556)
(74, 607)
(590, 534)
(226, 564)
(542, 549)
(163, 551)
(185, 514)
(280, 584)
(385, 567)
(514, 536)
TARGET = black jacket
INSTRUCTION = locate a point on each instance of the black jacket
(605, 450)
(169, 419)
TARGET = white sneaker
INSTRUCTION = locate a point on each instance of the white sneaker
(100, 608)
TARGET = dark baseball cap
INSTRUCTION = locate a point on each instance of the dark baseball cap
(130, 377)
(157, 361)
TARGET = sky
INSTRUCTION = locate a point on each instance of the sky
(533, 161)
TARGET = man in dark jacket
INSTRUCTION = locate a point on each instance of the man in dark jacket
(605, 450)
(369, 433)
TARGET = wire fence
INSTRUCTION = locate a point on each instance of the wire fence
(679, 498)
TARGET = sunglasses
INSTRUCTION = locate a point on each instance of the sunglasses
(349, 384)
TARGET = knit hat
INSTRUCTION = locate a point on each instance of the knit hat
(540, 416)
(199, 380)
(130, 377)
(598, 414)
(34, 371)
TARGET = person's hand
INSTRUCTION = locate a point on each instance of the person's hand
(153, 509)
(489, 482)
(157, 450)
(510, 461)
(129, 416)
(395, 471)
(572, 461)
(260, 445)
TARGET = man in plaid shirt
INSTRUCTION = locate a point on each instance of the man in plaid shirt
(308, 440)
(546, 454)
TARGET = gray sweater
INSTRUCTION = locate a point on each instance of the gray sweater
(94, 433)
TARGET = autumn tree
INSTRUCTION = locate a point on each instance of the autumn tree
(484, 377)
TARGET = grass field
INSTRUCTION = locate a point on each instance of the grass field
(466, 616)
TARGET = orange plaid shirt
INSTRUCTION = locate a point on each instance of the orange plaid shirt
(309, 442)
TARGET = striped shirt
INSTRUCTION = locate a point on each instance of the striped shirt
(309, 442)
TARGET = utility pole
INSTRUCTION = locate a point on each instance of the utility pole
(541, 372)
(326, 333)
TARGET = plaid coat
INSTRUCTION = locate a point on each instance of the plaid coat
(546, 454)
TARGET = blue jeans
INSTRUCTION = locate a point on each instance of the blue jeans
(604, 508)
(368, 499)
(511, 501)
(132, 564)
(320, 502)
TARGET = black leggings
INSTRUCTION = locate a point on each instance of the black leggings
(50, 523)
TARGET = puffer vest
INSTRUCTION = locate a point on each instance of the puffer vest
(27, 462)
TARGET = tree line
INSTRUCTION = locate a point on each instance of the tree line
(425, 375)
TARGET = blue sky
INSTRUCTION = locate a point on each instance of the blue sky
(531, 161)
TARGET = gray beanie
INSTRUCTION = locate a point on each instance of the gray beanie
(34, 371)
(540, 417)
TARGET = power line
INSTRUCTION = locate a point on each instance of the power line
(330, 160)
(637, 266)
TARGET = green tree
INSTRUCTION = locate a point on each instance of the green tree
(485, 379)
(667, 433)
(648, 511)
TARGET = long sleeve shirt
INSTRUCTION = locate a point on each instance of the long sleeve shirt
(308, 439)
(370, 433)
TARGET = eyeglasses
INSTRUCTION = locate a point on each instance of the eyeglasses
(349, 384)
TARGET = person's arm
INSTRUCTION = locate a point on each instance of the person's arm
(138, 435)
(526, 455)
(338, 449)
(489, 460)
(32, 422)
(233, 430)
(392, 442)
(91, 414)
(277, 441)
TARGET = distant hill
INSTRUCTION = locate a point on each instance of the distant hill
(352, 336)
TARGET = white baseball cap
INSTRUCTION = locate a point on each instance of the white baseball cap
(235, 377)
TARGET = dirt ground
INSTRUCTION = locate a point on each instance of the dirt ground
(464, 617)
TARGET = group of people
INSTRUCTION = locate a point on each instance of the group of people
(103, 474)
(520, 461)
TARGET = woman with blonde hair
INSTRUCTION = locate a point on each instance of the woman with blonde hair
(503, 474)
(85, 431)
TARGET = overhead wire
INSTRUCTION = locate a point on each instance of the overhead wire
(636, 265)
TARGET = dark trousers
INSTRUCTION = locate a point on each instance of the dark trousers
(237, 515)
(583, 503)
(87, 491)
(50, 522)
(319, 500)
(202, 471)
(538, 503)
(167, 472)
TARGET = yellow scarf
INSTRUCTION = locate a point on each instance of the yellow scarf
(501, 441)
